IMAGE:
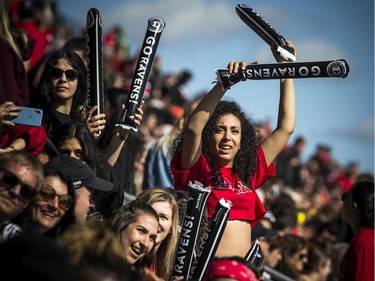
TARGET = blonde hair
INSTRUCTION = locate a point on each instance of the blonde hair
(90, 239)
(5, 30)
(23, 158)
(165, 254)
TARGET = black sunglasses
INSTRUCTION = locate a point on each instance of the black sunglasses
(70, 74)
(65, 201)
(10, 181)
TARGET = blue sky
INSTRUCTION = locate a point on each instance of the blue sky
(201, 35)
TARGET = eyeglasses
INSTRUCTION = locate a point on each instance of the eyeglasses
(70, 74)
(65, 201)
(10, 181)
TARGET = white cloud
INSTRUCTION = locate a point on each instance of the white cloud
(183, 18)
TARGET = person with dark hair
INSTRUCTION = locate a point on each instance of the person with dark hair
(294, 255)
(136, 225)
(49, 151)
(77, 45)
(62, 94)
(75, 140)
(84, 181)
(319, 266)
(219, 148)
(358, 211)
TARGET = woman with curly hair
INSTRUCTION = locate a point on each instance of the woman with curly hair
(219, 147)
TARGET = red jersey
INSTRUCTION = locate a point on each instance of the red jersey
(358, 261)
(246, 204)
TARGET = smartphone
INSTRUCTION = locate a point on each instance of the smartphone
(28, 116)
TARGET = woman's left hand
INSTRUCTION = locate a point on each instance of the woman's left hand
(95, 123)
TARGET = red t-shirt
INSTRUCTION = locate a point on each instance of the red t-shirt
(246, 204)
(358, 261)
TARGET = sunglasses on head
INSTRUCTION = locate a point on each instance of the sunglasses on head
(70, 74)
(10, 181)
(65, 201)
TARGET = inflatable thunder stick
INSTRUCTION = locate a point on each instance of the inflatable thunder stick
(315, 69)
(155, 28)
(193, 216)
(95, 59)
(211, 240)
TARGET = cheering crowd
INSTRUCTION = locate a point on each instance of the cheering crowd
(84, 199)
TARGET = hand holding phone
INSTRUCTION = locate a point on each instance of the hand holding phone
(28, 116)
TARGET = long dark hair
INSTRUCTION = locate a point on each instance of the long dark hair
(43, 97)
(105, 202)
(363, 194)
(90, 153)
(245, 162)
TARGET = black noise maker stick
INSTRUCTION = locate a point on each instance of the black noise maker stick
(155, 28)
(95, 59)
(211, 240)
(189, 233)
(265, 30)
(255, 256)
(318, 69)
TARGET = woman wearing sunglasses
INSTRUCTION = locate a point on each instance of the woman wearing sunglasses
(51, 211)
(61, 93)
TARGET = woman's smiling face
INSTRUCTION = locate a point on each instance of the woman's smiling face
(165, 212)
(46, 214)
(139, 237)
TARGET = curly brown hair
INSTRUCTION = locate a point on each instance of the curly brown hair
(245, 161)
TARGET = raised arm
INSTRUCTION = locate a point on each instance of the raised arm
(113, 150)
(286, 122)
(192, 143)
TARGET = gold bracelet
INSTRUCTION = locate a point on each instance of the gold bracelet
(120, 137)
